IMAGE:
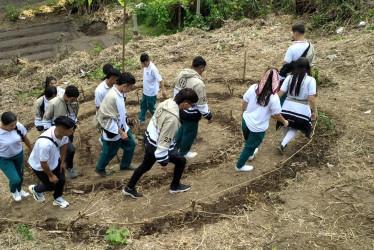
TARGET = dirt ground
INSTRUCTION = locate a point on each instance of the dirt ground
(319, 198)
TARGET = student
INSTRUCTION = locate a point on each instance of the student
(12, 133)
(51, 81)
(300, 106)
(47, 160)
(300, 48)
(66, 105)
(41, 105)
(191, 78)
(111, 75)
(259, 103)
(160, 145)
(111, 117)
(152, 81)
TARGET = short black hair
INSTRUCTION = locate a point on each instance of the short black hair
(50, 91)
(65, 122)
(112, 72)
(106, 68)
(125, 78)
(298, 28)
(71, 91)
(48, 80)
(8, 117)
(186, 95)
(198, 62)
(144, 57)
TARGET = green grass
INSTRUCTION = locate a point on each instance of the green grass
(337, 38)
(24, 232)
(32, 93)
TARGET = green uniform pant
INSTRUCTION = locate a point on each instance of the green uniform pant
(110, 149)
(186, 135)
(147, 103)
(253, 140)
(13, 169)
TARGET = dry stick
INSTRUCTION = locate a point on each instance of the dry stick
(245, 64)
(124, 35)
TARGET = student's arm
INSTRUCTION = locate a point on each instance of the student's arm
(245, 105)
(280, 93)
(123, 134)
(202, 104)
(52, 178)
(280, 118)
(163, 91)
(27, 142)
(313, 107)
(48, 116)
(63, 150)
(38, 117)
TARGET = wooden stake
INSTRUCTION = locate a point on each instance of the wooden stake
(245, 64)
(135, 21)
(179, 15)
(124, 35)
(198, 7)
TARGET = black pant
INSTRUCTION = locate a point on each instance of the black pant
(150, 159)
(70, 153)
(46, 185)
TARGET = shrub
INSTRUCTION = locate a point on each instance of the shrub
(12, 13)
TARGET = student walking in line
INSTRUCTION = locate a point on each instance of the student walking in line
(41, 105)
(111, 118)
(51, 81)
(300, 48)
(300, 107)
(47, 160)
(259, 103)
(160, 145)
(152, 81)
(191, 78)
(111, 75)
(66, 105)
(12, 134)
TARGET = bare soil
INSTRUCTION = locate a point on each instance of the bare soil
(290, 201)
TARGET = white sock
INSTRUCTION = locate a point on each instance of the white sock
(288, 135)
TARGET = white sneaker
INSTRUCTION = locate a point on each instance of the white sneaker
(39, 197)
(190, 155)
(245, 168)
(16, 196)
(23, 193)
(253, 156)
(60, 202)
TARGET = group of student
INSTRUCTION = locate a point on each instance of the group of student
(287, 95)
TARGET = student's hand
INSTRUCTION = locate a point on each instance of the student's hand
(314, 116)
(285, 123)
(124, 136)
(164, 94)
(62, 167)
(53, 179)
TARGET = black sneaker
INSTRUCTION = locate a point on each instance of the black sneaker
(281, 148)
(131, 167)
(179, 189)
(102, 173)
(131, 192)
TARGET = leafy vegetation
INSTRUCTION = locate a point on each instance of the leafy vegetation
(32, 93)
(24, 232)
(11, 12)
(116, 237)
(325, 122)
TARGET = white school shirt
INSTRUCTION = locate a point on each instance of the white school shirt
(295, 51)
(46, 150)
(151, 80)
(112, 124)
(60, 91)
(257, 117)
(39, 120)
(308, 87)
(100, 93)
(11, 142)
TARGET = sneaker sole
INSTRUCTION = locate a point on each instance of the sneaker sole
(57, 204)
(34, 196)
(133, 196)
(280, 150)
(179, 191)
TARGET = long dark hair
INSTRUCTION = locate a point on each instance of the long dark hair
(9, 117)
(299, 71)
(264, 97)
(48, 80)
(49, 92)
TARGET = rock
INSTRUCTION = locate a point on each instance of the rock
(259, 49)
(340, 31)
(367, 112)
(331, 57)
(229, 39)
(277, 39)
(361, 24)
(330, 165)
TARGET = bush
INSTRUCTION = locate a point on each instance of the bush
(12, 13)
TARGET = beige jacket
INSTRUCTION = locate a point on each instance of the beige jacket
(58, 107)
